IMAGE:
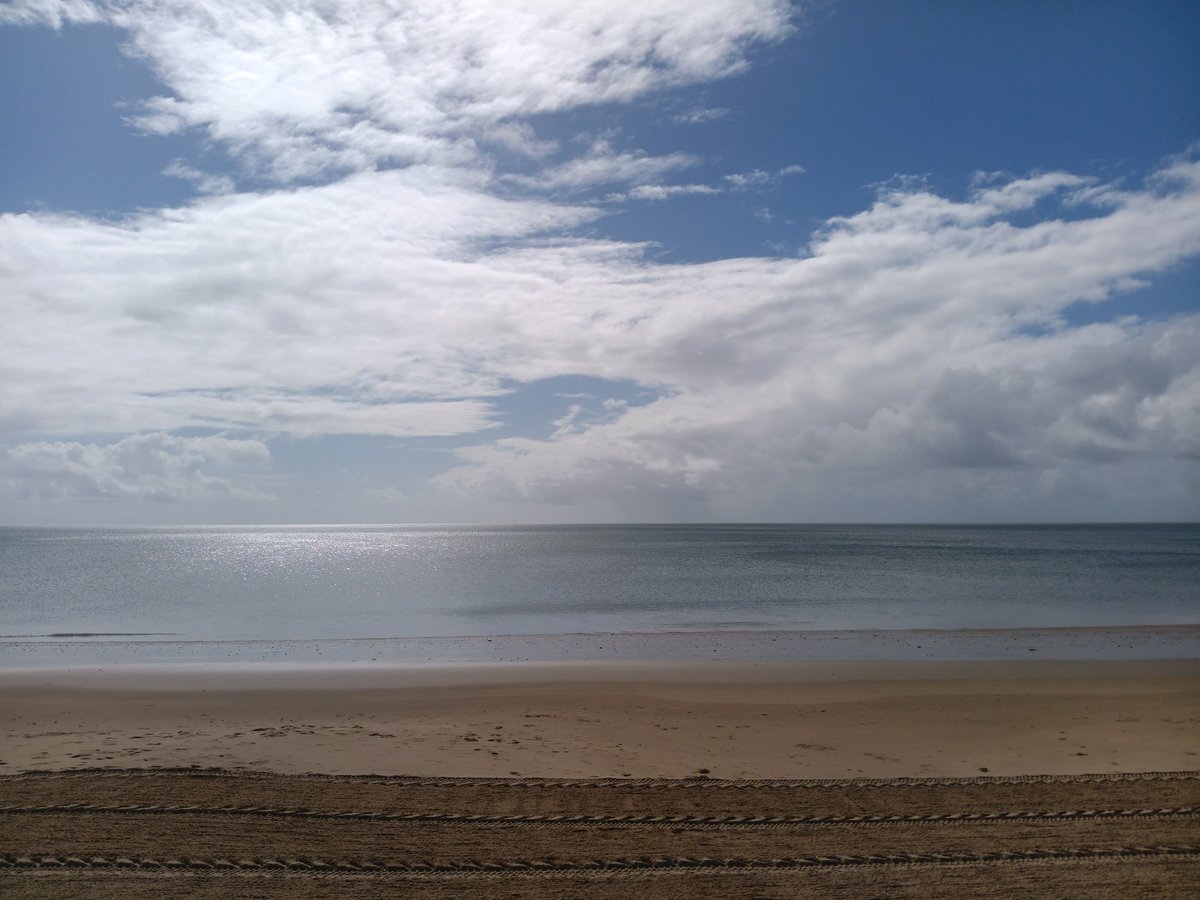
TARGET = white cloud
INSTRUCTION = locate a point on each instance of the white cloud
(314, 86)
(156, 466)
(352, 308)
(206, 183)
(519, 138)
(603, 166)
(662, 192)
(900, 344)
(739, 181)
(759, 178)
(921, 334)
(699, 115)
(753, 178)
(918, 345)
(1012, 195)
(54, 13)
(372, 306)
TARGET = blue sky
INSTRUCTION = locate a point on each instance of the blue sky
(358, 261)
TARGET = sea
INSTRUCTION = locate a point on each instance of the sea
(363, 593)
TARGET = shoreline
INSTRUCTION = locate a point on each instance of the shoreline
(1154, 641)
(383, 676)
(812, 719)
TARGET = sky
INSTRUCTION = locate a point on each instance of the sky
(361, 261)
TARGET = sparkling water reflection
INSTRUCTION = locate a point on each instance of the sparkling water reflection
(340, 582)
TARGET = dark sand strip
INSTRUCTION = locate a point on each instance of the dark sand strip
(1094, 849)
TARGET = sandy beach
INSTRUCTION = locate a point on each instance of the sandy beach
(728, 720)
(599, 779)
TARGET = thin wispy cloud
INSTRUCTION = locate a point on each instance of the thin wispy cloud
(699, 115)
(205, 183)
(311, 88)
(601, 166)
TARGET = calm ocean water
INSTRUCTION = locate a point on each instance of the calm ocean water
(379, 582)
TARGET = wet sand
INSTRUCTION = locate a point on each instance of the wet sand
(726, 720)
(1119, 642)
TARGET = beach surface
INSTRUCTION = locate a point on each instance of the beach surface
(847, 719)
(602, 779)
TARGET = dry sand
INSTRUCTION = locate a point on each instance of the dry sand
(727, 720)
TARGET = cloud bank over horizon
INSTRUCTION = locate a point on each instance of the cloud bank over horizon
(404, 246)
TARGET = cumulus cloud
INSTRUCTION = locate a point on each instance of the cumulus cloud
(977, 432)
(923, 334)
(153, 466)
(400, 302)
